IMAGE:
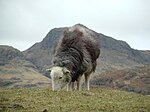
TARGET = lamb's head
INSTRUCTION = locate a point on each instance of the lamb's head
(60, 77)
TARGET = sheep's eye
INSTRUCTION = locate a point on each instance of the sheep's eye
(60, 77)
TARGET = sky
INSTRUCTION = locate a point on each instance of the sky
(25, 22)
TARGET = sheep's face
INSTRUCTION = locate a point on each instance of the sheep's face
(60, 77)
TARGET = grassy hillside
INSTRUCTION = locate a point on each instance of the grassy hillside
(96, 100)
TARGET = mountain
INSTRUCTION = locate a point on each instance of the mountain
(114, 53)
(40, 54)
(119, 65)
(16, 71)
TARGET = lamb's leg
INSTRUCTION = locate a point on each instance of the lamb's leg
(87, 81)
(79, 83)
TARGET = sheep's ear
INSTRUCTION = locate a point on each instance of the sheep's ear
(49, 70)
(66, 71)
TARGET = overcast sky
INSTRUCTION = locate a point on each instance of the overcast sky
(25, 22)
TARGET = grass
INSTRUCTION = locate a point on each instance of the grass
(95, 100)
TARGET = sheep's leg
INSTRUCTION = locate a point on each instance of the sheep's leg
(79, 83)
(87, 81)
(73, 86)
(68, 87)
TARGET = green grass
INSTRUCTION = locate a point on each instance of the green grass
(95, 100)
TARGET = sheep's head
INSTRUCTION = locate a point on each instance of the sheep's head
(60, 77)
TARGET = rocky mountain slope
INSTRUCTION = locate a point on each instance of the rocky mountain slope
(40, 54)
(135, 79)
(16, 71)
(114, 53)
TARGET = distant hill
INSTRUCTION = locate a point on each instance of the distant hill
(16, 71)
(8, 53)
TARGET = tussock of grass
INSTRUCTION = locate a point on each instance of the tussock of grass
(95, 100)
